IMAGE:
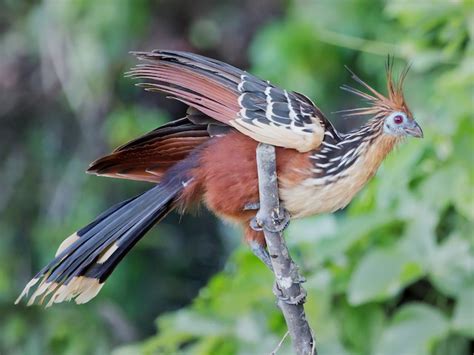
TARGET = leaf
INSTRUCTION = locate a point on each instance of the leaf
(331, 242)
(123, 125)
(311, 230)
(129, 349)
(362, 325)
(451, 265)
(450, 175)
(415, 329)
(453, 344)
(184, 325)
(419, 241)
(332, 348)
(464, 200)
(212, 345)
(463, 319)
(191, 322)
(381, 274)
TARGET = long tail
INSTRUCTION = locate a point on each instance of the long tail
(85, 259)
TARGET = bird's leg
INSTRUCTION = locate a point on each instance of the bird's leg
(262, 253)
(254, 206)
(280, 220)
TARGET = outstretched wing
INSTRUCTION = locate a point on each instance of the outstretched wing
(255, 107)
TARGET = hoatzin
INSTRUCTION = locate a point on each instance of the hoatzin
(209, 156)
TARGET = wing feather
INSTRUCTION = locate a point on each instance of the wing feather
(148, 157)
(255, 107)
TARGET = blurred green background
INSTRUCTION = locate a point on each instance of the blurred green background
(391, 274)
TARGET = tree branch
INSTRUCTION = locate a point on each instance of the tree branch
(291, 296)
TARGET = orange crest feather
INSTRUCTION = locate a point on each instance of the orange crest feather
(380, 105)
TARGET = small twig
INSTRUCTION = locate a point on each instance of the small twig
(291, 296)
(280, 343)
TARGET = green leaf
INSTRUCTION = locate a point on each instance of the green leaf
(451, 265)
(361, 325)
(464, 201)
(463, 319)
(381, 274)
(330, 241)
(191, 322)
(129, 349)
(450, 175)
(453, 344)
(415, 329)
(213, 345)
(419, 241)
(125, 124)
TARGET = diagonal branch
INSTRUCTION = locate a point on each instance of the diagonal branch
(291, 296)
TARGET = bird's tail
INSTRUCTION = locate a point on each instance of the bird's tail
(86, 258)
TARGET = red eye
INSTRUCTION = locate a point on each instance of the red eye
(398, 119)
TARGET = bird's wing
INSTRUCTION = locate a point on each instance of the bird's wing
(149, 156)
(255, 107)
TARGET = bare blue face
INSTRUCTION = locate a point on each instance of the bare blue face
(399, 124)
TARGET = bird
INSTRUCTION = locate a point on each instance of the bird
(209, 157)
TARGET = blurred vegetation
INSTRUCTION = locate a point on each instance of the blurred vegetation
(391, 274)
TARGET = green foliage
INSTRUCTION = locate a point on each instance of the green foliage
(391, 274)
(415, 328)
(64, 103)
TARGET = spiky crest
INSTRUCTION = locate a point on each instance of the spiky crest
(379, 105)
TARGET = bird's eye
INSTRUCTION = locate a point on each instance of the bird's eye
(398, 119)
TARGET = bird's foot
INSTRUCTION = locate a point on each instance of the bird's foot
(280, 219)
(252, 206)
(262, 253)
(295, 300)
(256, 225)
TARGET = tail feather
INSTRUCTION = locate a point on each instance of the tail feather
(86, 258)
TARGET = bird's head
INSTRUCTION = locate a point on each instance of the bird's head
(389, 113)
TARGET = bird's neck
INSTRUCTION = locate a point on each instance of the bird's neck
(374, 144)
(366, 147)
(340, 168)
(374, 152)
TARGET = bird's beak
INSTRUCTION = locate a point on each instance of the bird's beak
(414, 129)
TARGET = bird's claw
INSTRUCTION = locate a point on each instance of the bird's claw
(280, 219)
(297, 300)
(252, 206)
(256, 225)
